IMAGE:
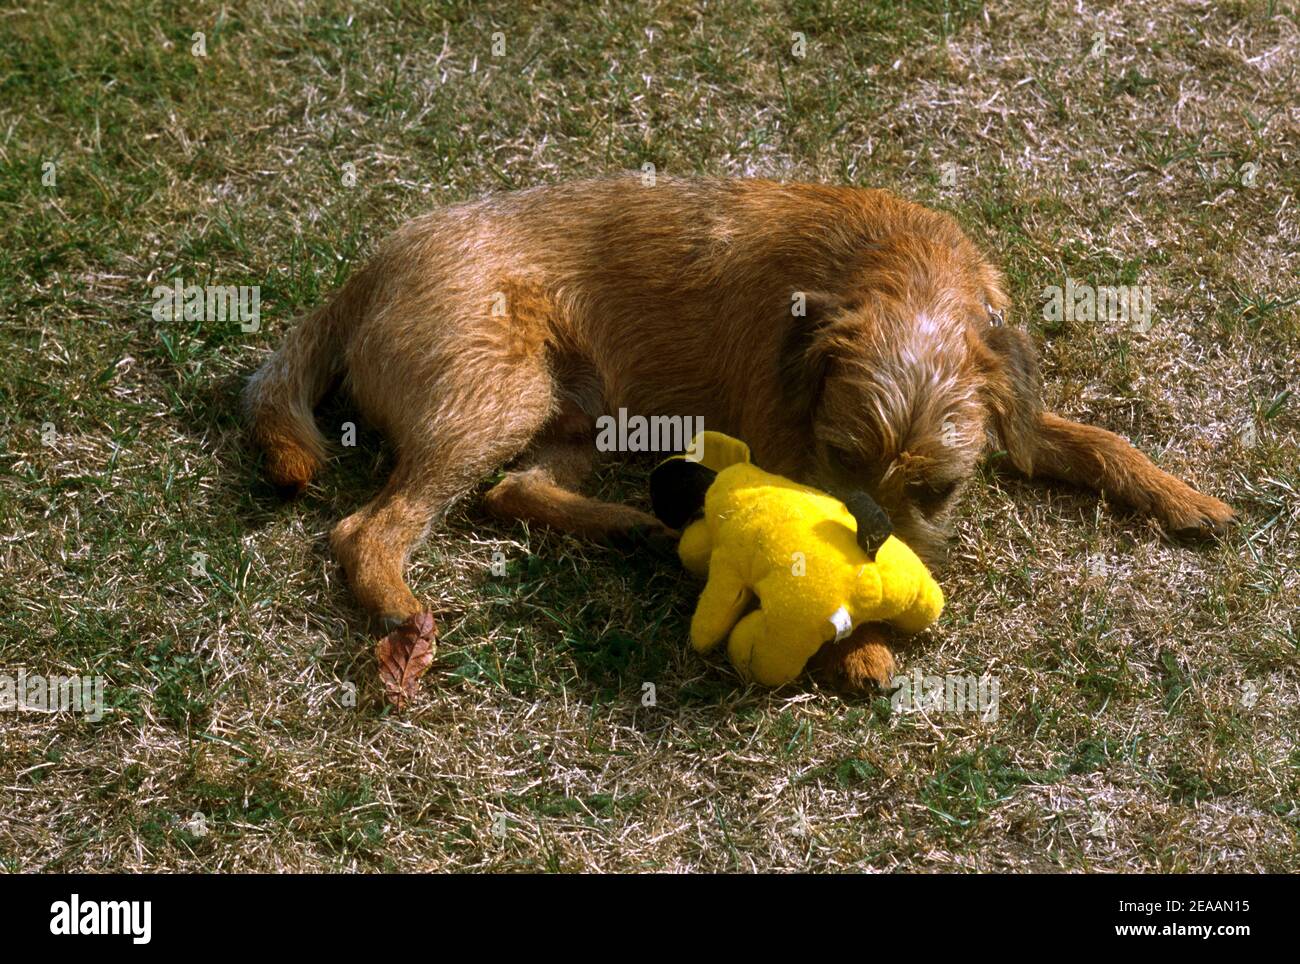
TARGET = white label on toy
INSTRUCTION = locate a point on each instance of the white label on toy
(842, 622)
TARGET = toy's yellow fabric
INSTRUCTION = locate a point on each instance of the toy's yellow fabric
(795, 548)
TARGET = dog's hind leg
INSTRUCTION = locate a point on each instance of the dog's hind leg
(446, 451)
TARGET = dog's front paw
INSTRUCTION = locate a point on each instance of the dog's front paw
(860, 662)
(1192, 515)
(653, 535)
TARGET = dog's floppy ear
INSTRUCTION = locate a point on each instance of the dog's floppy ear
(808, 348)
(677, 488)
(1012, 391)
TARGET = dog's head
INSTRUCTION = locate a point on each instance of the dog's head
(900, 384)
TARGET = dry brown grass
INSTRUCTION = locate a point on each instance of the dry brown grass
(1148, 716)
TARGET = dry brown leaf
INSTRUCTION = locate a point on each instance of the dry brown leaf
(404, 655)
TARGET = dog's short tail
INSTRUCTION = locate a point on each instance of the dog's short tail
(281, 395)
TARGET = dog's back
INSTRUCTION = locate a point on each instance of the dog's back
(669, 295)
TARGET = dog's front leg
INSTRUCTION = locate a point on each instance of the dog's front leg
(1094, 457)
(544, 490)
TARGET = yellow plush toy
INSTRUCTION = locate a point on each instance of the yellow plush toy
(818, 566)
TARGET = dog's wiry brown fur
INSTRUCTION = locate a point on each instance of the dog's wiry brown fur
(498, 330)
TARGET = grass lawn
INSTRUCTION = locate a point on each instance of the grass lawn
(1149, 708)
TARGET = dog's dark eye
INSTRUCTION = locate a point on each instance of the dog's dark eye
(933, 496)
(846, 461)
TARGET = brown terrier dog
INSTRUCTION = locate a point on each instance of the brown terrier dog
(853, 339)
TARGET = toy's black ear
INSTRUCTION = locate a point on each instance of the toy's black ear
(677, 488)
(874, 526)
